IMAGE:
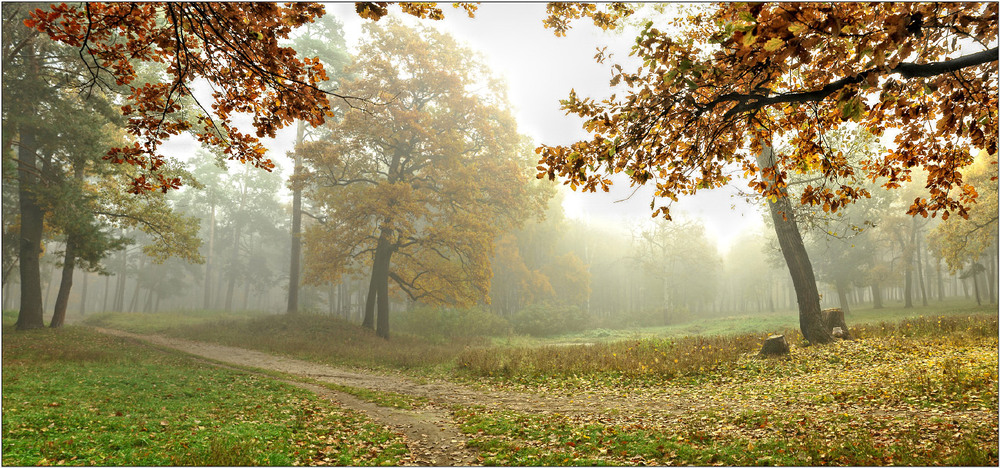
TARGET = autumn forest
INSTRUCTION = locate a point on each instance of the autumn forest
(353, 234)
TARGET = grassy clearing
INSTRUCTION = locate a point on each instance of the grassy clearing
(654, 361)
(162, 322)
(317, 338)
(771, 322)
(917, 392)
(75, 397)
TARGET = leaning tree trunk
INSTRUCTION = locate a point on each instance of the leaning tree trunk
(794, 250)
(32, 220)
(62, 297)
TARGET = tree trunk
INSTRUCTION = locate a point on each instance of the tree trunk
(842, 296)
(877, 295)
(296, 249)
(908, 285)
(920, 270)
(369, 319)
(940, 281)
(83, 294)
(62, 298)
(380, 285)
(975, 285)
(207, 300)
(107, 288)
(32, 219)
(797, 259)
(991, 278)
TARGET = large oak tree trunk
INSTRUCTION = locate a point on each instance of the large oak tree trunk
(32, 219)
(799, 267)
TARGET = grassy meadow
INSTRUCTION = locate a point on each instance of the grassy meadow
(915, 388)
(74, 396)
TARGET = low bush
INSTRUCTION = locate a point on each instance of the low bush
(548, 320)
(448, 324)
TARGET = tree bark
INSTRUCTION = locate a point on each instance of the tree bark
(380, 285)
(797, 260)
(32, 219)
(295, 268)
(65, 285)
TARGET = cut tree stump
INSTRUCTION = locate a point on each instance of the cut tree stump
(834, 319)
(774, 345)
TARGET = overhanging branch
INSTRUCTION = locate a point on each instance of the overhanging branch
(754, 102)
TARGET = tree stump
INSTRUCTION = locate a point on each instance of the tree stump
(774, 345)
(834, 319)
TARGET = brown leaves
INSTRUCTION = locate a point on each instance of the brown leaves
(796, 70)
(232, 45)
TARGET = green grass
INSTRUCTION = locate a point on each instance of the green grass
(312, 337)
(161, 322)
(72, 396)
(768, 322)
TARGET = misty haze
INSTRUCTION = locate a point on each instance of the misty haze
(500, 234)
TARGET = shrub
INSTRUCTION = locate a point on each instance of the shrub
(443, 324)
(547, 320)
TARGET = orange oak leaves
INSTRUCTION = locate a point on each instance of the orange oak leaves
(231, 46)
(703, 102)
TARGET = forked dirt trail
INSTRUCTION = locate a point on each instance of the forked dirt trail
(432, 434)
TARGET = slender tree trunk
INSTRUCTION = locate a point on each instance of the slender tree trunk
(107, 288)
(975, 286)
(991, 279)
(369, 319)
(382, 317)
(62, 298)
(295, 267)
(235, 259)
(908, 283)
(83, 293)
(119, 303)
(876, 295)
(920, 270)
(135, 292)
(797, 259)
(940, 281)
(32, 219)
(207, 301)
(842, 297)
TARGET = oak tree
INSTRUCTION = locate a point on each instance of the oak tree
(419, 189)
(719, 89)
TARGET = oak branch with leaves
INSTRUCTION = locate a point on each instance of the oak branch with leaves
(743, 75)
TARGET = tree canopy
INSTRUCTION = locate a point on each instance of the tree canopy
(422, 186)
(742, 76)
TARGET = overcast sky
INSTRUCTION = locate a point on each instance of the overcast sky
(540, 69)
